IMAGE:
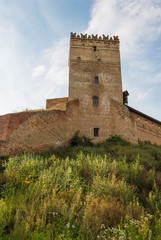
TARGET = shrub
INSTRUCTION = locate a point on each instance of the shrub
(80, 141)
(117, 140)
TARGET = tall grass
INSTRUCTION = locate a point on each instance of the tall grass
(107, 191)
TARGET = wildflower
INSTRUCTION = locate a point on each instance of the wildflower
(68, 225)
(102, 226)
(27, 181)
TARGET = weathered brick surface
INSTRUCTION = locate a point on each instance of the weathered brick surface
(122, 122)
(42, 131)
(147, 129)
(89, 57)
(10, 122)
(57, 103)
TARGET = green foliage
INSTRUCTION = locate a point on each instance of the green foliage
(117, 140)
(80, 141)
(103, 191)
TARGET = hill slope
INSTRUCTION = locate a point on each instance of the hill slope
(106, 191)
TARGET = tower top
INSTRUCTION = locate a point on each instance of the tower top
(114, 39)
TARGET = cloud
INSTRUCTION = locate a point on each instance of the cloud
(136, 22)
(38, 71)
(53, 71)
(27, 78)
(142, 95)
(138, 25)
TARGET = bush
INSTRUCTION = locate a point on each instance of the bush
(117, 140)
(80, 141)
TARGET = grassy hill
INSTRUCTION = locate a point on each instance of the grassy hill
(110, 190)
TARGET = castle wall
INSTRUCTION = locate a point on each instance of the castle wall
(38, 132)
(10, 122)
(123, 123)
(57, 103)
(148, 129)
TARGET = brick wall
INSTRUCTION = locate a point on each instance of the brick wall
(32, 132)
(57, 103)
(147, 129)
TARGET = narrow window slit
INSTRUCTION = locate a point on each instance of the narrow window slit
(96, 132)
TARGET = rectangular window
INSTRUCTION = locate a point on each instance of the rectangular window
(95, 100)
(96, 79)
(96, 132)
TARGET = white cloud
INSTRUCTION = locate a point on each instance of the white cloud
(38, 71)
(136, 22)
(142, 95)
(53, 82)
(26, 79)
(138, 25)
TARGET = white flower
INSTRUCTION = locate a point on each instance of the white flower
(68, 225)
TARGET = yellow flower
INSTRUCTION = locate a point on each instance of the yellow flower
(27, 181)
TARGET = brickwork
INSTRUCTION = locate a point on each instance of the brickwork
(40, 132)
(10, 122)
(57, 103)
(147, 128)
(94, 57)
(94, 71)
(94, 105)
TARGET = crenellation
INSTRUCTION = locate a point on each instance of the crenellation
(103, 38)
(95, 37)
(72, 35)
(83, 36)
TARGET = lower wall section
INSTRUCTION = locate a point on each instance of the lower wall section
(122, 122)
(41, 131)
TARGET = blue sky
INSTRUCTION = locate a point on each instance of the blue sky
(34, 46)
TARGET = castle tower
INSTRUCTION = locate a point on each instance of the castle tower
(94, 68)
(94, 79)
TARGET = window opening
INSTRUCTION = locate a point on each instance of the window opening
(99, 59)
(96, 79)
(96, 132)
(78, 58)
(95, 100)
(94, 48)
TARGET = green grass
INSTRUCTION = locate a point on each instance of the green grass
(110, 190)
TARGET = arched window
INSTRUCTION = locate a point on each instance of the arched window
(95, 100)
(96, 79)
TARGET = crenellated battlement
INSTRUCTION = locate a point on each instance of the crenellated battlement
(94, 37)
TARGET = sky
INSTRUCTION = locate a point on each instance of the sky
(34, 48)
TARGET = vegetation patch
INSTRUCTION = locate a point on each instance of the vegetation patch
(110, 190)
